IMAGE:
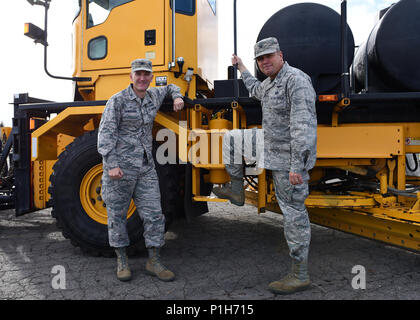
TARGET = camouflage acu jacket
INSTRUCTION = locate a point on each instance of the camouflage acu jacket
(125, 131)
(289, 119)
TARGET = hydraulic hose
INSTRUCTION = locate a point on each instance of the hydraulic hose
(416, 163)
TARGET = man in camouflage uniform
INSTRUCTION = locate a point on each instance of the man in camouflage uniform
(125, 143)
(289, 150)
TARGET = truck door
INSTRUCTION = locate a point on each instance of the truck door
(118, 31)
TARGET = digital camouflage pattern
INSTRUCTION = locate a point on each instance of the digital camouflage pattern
(141, 64)
(143, 188)
(289, 133)
(247, 143)
(297, 228)
(289, 119)
(266, 46)
(291, 198)
(125, 141)
(125, 131)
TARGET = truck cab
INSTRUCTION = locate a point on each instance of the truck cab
(109, 34)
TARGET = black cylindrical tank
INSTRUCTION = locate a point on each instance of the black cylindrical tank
(309, 37)
(392, 51)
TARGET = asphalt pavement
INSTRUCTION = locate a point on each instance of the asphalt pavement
(230, 253)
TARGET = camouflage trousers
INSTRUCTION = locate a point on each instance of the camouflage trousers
(291, 198)
(143, 188)
(239, 144)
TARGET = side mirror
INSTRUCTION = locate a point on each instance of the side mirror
(40, 36)
(45, 3)
(36, 33)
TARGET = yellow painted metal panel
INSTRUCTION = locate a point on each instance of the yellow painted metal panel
(360, 142)
(76, 41)
(41, 173)
(109, 84)
(69, 122)
(343, 162)
(333, 201)
(210, 199)
(390, 225)
(392, 231)
(69, 112)
(39, 181)
(208, 166)
(111, 74)
(124, 29)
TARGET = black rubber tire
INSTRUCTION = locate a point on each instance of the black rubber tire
(84, 232)
(171, 185)
(91, 236)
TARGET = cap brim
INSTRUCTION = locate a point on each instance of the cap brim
(266, 52)
(141, 69)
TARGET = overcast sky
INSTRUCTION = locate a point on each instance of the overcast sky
(22, 61)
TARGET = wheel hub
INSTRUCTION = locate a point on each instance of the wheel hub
(91, 196)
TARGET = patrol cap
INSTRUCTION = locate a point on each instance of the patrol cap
(266, 46)
(141, 64)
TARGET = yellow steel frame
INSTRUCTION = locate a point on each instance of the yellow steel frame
(391, 219)
(351, 147)
(365, 216)
(73, 121)
(196, 116)
(356, 148)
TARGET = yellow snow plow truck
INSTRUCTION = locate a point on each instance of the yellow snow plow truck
(366, 178)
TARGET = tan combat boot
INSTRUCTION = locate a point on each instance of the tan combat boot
(235, 192)
(297, 280)
(155, 268)
(123, 270)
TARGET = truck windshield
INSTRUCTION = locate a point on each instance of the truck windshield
(98, 10)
